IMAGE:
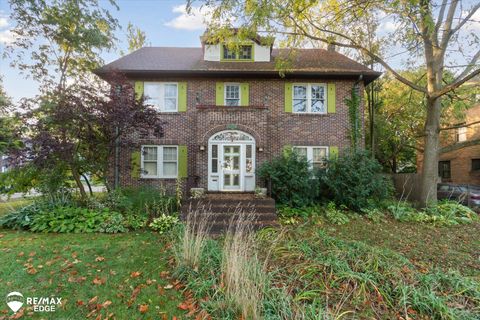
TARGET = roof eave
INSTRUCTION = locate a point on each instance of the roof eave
(368, 76)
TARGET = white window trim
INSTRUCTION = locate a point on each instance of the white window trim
(225, 84)
(309, 97)
(161, 108)
(159, 162)
(461, 134)
(310, 153)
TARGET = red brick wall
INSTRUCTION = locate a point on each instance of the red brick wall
(460, 158)
(271, 126)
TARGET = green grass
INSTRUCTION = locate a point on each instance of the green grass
(66, 265)
(455, 247)
(10, 205)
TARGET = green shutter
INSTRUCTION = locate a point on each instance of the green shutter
(331, 98)
(182, 162)
(138, 89)
(182, 97)
(333, 152)
(288, 97)
(245, 94)
(287, 150)
(135, 164)
(219, 96)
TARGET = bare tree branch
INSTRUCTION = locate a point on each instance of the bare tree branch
(460, 126)
(466, 19)
(454, 85)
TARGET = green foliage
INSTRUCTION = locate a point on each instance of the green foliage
(70, 219)
(374, 214)
(114, 223)
(354, 180)
(163, 223)
(445, 213)
(353, 104)
(334, 215)
(148, 201)
(135, 222)
(21, 218)
(291, 179)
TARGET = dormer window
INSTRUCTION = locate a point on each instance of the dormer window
(244, 52)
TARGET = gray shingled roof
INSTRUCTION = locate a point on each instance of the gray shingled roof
(173, 60)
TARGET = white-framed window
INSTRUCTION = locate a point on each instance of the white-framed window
(162, 95)
(159, 161)
(232, 94)
(309, 98)
(316, 156)
(461, 134)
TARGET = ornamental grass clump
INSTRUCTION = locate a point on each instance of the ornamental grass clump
(243, 276)
(193, 238)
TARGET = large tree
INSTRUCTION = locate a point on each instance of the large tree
(434, 35)
(58, 42)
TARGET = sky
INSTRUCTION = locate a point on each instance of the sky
(165, 23)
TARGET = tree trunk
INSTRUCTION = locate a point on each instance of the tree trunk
(430, 153)
(76, 177)
(88, 184)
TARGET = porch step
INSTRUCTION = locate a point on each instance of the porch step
(222, 209)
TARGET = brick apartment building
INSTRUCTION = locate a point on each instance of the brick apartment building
(459, 159)
(227, 111)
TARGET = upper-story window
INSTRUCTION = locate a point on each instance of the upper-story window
(461, 134)
(162, 95)
(243, 53)
(310, 98)
(232, 94)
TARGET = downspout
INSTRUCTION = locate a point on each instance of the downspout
(116, 174)
(360, 78)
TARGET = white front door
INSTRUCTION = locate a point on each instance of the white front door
(231, 175)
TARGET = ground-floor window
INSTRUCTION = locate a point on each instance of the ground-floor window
(475, 164)
(444, 169)
(316, 156)
(159, 161)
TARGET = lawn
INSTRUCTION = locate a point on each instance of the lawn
(455, 247)
(124, 276)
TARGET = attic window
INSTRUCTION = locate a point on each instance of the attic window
(244, 53)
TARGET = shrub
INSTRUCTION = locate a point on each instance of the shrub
(114, 223)
(445, 213)
(21, 218)
(354, 180)
(135, 222)
(335, 215)
(69, 219)
(292, 181)
(373, 214)
(163, 223)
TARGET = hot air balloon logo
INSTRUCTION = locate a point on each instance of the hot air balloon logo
(15, 301)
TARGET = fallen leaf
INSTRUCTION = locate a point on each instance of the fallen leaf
(135, 274)
(168, 286)
(106, 303)
(98, 259)
(93, 300)
(143, 308)
(21, 254)
(31, 270)
(32, 254)
(80, 303)
(99, 281)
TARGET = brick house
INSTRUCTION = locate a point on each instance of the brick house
(227, 111)
(459, 155)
